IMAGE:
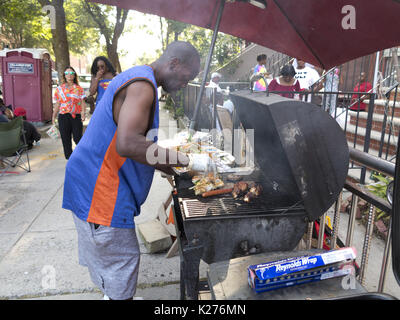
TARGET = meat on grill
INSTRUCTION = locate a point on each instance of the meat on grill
(255, 191)
(249, 190)
(239, 188)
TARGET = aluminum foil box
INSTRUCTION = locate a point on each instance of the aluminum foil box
(292, 271)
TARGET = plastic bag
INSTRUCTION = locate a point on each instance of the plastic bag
(53, 133)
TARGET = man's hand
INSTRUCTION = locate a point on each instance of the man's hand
(99, 74)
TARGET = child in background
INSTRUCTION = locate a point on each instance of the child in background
(260, 70)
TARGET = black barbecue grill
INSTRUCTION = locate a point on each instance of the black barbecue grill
(301, 161)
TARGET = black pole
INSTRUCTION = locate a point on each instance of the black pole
(207, 66)
(368, 129)
(372, 162)
(396, 218)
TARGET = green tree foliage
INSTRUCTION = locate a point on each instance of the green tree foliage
(81, 30)
(110, 21)
(25, 24)
(226, 46)
(21, 24)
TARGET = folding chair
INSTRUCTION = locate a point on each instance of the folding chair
(12, 148)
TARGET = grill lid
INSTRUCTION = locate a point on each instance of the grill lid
(299, 147)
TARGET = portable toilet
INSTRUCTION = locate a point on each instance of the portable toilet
(27, 81)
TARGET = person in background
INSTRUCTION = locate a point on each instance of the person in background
(307, 77)
(214, 83)
(102, 73)
(285, 82)
(306, 74)
(70, 108)
(6, 111)
(331, 85)
(31, 133)
(3, 117)
(357, 103)
(219, 97)
(260, 70)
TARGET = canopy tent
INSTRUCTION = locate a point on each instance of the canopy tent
(324, 33)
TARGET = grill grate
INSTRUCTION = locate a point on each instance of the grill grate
(227, 206)
(270, 202)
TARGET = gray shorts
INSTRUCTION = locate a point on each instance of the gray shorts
(112, 256)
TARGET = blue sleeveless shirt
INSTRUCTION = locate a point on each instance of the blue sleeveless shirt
(101, 186)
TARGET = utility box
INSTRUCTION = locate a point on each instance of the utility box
(27, 82)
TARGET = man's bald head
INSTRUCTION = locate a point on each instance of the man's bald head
(183, 51)
(179, 63)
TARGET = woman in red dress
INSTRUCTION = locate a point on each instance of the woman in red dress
(286, 82)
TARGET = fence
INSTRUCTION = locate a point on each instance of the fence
(345, 106)
(359, 192)
(380, 69)
(359, 126)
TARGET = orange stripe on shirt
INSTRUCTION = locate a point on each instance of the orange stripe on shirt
(106, 188)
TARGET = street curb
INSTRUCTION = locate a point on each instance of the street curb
(141, 286)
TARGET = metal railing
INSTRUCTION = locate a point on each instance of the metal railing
(360, 192)
(361, 159)
(379, 69)
(273, 65)
(375, 129)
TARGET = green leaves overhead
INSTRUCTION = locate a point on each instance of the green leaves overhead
(21, 24)
(81, 30)
(226, 46)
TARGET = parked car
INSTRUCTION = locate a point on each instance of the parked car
(84, 82)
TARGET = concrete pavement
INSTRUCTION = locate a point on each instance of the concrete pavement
(38, 240)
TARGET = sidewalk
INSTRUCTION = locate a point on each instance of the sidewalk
(38, 238)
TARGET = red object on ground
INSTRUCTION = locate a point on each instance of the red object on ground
(19, 112)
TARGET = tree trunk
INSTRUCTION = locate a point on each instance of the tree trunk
(122, 15)
(113, 56)
(111, 37)
(59, 36)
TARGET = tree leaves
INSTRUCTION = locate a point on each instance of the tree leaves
(22, 24)
(226, 46)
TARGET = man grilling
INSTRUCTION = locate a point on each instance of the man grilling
(109, 175)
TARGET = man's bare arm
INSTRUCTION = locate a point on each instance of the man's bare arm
(133, 119)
